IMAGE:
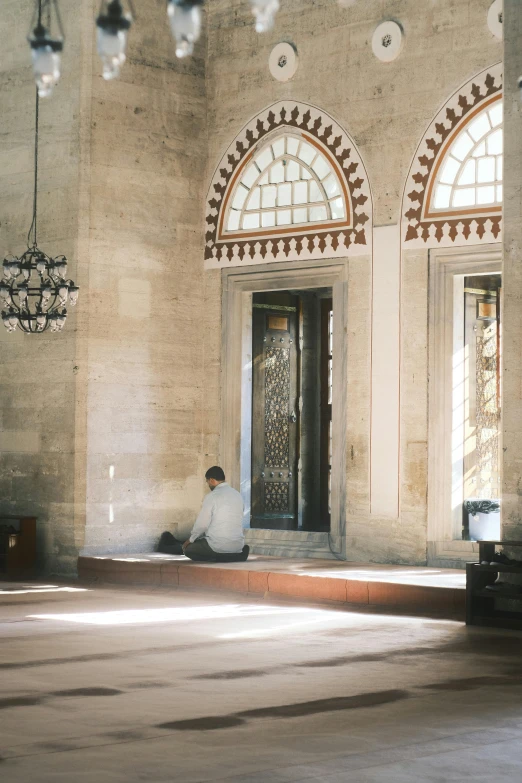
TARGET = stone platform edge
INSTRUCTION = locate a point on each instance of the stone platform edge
(449, 601)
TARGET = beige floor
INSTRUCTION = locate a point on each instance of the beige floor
(116, 685)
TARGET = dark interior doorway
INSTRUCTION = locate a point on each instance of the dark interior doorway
(292, 410)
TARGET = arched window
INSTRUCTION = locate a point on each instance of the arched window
(469, 176)
(288, 181)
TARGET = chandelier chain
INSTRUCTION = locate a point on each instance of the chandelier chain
(32, 230)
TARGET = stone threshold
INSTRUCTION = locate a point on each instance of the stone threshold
(424, 591)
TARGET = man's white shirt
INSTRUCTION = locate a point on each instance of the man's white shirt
(221, 520)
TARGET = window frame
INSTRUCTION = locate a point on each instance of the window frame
(296, 229)
(429, 211)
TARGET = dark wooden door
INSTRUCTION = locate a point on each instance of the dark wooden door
(275, 416)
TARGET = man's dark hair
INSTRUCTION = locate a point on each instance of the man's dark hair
(216, 473)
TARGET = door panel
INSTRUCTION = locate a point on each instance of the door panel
(274, 417)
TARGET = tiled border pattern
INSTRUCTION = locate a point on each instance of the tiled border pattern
(463, 228)
(303, 244)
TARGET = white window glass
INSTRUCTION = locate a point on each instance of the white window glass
(306, 152)
(442, 196)
(233, 220)
(250, 176)
(278, 147)
(277, 172)
(464, 197)
(315, 192)
(284, 217)
(331, 186)
(321, 167)
(318, 213)
(292, 171)
(479, 127)
(495, 142)
(300, 192)
(268, 219)
(495, 114)
(268, 196)
(486, 195)
(462, 146)
(254, 202)
(278, 190)
(292, 145)
(449, 171)
(300, 215)
(486, 169)
(284, 195)
(337, 207)
(264, 158)
(471, 173)
(251, 220)
(239, 197)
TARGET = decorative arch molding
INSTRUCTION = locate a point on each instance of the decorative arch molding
(422, 226)
(299, 242)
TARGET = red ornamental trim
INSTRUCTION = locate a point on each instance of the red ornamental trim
(465, 222)
(310, 239)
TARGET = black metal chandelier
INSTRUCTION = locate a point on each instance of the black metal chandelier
(35, 289)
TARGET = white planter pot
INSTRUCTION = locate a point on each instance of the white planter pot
(484, 527)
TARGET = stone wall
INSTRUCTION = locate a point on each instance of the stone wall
(145, 374)
(386, 109)
(512, 278)
(107, 427)
(39, 383)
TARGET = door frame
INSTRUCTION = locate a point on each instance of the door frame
(238, 285)
(447, 269)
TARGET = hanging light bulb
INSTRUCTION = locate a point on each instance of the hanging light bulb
(265, 12)
(73, 294)
(113, 28)
(46, 49)
(185, 23)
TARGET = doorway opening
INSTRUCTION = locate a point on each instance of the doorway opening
(464, 402)
(292, 433)
(476, 405)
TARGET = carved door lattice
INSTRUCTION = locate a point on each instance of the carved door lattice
(277, 394)
(275, 412)
(276, 497)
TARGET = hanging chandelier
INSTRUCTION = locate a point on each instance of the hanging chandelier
(265, 13)
(46, 48)
(113, 26)
(35, 288)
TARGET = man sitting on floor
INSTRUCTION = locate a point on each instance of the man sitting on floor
(218, 531)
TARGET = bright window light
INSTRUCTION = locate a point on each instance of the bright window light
(474, 159)
(286, 172)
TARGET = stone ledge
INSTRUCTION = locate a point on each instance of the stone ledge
(271, 578)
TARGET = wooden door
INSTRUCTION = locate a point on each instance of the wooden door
(275, 416)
